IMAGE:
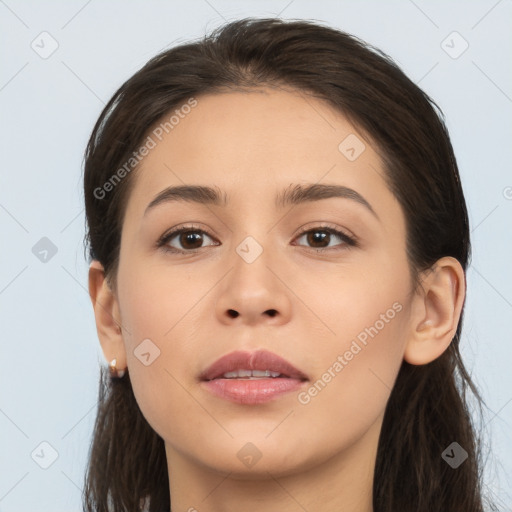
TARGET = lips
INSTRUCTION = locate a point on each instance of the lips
(261, 360)
(252, 378)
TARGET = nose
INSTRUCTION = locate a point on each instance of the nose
(253, 293)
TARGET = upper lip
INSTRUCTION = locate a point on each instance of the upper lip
(259, 360)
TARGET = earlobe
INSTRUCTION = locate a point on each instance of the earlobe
(436, 311)
(106, 312)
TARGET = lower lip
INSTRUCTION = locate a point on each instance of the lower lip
(252, 391)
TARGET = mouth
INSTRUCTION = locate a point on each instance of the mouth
(251, 377)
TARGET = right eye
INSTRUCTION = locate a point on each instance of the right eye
(189, 238)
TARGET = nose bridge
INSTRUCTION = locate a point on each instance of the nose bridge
(251, 234)
(251, 249)
(257, 250)
(251, 261)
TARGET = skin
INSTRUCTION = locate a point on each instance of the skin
(314, 456)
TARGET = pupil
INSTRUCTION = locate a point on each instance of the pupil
(313, 238)
(189, 237)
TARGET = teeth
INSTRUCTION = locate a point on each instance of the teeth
(256, 374)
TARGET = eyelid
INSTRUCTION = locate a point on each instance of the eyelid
(327, 226)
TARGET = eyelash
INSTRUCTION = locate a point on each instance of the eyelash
(166, 237)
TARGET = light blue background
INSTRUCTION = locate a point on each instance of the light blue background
(49, 347)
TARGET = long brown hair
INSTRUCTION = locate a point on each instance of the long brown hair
(428, 407)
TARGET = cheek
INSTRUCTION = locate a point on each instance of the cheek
(158, 319)
(155, 300)
(348, 303)
(364, 330)
(353, 380)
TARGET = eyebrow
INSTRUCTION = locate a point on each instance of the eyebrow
(293, 195)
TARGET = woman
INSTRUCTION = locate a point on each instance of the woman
(278, 240)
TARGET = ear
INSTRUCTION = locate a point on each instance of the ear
(436, 311)
(106, 312)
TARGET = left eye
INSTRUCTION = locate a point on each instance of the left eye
(323, 236)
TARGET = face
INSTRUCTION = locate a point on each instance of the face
(323, 283)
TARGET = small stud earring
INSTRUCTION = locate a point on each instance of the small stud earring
(114, 372)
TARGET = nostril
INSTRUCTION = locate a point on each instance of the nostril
(232, 313)
(272, 312)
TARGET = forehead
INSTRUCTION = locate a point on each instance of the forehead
(255, 143)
